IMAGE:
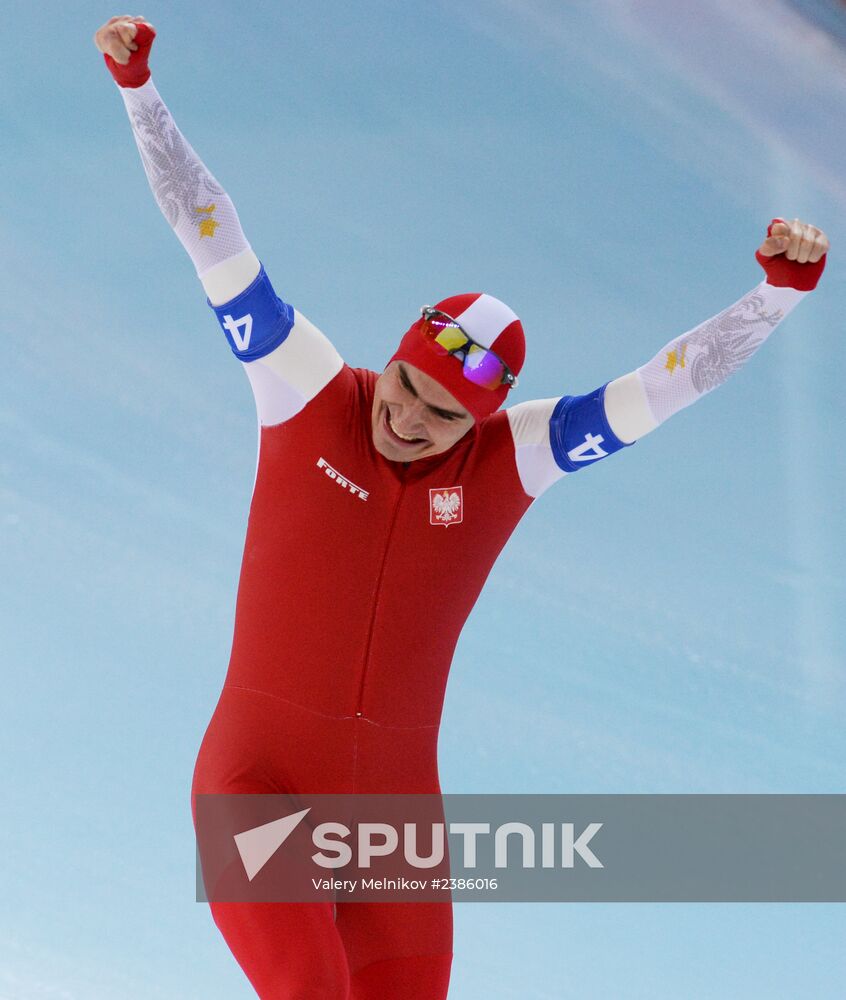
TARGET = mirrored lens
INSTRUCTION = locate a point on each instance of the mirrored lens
(483, 368)
(444, 333)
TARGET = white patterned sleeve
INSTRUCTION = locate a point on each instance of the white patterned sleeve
(696, 362)
(287, 359)
(558, 436)
(192, 201)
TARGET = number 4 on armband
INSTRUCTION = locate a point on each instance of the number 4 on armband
(234, 326)
(588, 450)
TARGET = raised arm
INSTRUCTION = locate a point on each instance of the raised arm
(286, 358)
(557, 436)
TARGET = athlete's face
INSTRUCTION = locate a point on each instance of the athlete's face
(414, 416)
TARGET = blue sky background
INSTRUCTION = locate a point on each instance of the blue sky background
(670, 621)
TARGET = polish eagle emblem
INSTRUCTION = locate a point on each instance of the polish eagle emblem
(446, 506)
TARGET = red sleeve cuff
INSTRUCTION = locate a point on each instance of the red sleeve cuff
(785, 273)
(136, 72)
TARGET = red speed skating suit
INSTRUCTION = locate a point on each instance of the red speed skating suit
(345, 628)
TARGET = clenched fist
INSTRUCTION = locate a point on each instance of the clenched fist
(793, 254)
(797, 240)
(125, 42)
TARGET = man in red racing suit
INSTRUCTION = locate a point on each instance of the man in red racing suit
(380, 504)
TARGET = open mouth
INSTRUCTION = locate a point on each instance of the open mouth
(413, 442)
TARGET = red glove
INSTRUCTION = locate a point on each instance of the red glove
(136, 72)
(784, 273)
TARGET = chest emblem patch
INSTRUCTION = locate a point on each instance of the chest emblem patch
(446, 506)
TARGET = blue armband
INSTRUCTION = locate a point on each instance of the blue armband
(256, 321)
(579, 431)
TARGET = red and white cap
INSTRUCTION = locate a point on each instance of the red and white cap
(490, 323)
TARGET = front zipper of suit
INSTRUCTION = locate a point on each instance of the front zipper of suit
(358, 707)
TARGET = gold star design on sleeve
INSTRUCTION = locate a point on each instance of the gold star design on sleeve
(208, 224)
(674, 359)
